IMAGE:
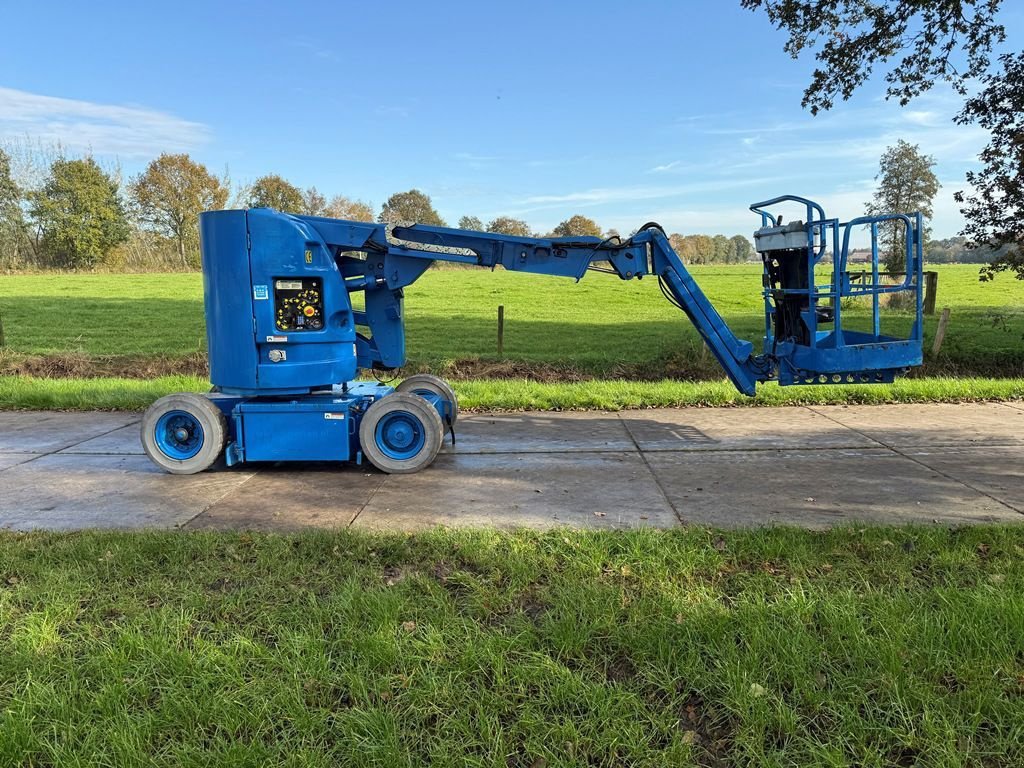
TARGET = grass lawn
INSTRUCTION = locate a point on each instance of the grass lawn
(865, 647)
(121, 341)
(601, 327)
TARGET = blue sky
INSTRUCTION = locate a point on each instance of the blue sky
(683, 113)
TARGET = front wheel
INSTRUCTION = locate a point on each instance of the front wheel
(401, 433)
(183, 433)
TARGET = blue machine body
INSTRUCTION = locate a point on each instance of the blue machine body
(286, 339)
(247, 257)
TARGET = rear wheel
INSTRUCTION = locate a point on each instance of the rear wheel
(183, 433)
(401, 433)
(425, 383)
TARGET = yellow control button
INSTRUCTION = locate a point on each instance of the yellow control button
(308, 311)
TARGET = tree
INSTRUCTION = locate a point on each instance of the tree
(342, 207)
(80, 213)
(169, 196)
(995, 209)
(313, 203)
(10, 194)
(472, 223)
(919, 43)
(906, 183)
(742, 247)
(724, 251)
(704, 249)
(684, 247)
(412, 207)
(272, 191)
(577, 226)
(12, 221)
(506, 225)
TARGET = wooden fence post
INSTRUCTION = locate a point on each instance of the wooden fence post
(931, 287)
(501, 330)
(940, 332)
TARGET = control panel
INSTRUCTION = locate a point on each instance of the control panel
(298, 304)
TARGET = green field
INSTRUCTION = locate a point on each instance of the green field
(769, 648)
(121, 341)
(600, 327)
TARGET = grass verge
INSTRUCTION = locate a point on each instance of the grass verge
(875, 646)
(28, 392)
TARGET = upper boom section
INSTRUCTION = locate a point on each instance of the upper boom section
(562, 256)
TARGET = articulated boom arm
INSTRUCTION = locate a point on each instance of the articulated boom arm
(648, 252)
(799, 345)
(291, 281)
(389, 266)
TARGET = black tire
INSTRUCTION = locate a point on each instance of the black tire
(425, 382)
(401, 433)
(183, 433)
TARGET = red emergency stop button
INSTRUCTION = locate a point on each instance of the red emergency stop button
(308, 311)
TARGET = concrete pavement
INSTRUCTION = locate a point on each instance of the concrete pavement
(808, 466)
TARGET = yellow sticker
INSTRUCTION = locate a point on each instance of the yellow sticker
(309, 257)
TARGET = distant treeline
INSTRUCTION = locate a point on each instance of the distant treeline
(954, 250)
(59, 211)
(712, 249)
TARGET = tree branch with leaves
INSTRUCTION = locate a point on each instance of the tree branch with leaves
(918, 43)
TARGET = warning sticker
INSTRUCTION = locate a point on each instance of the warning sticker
(277, 339)
(338, 416)
(261, 292)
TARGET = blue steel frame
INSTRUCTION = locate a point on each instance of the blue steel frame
(266, 379)
(841, 355)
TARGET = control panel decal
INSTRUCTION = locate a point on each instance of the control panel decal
(298, 304)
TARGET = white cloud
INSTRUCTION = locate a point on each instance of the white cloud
(703, 181)
(128, 131)
(926, 117)
(724, 219)
(844, 202)
(948, 142)
(666, 167)
(471, 158)
(602, 195)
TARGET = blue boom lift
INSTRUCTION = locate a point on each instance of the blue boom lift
(286, 341)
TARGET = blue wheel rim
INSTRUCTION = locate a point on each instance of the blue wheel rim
(429, 395)
(179, 435)
(400, 435)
